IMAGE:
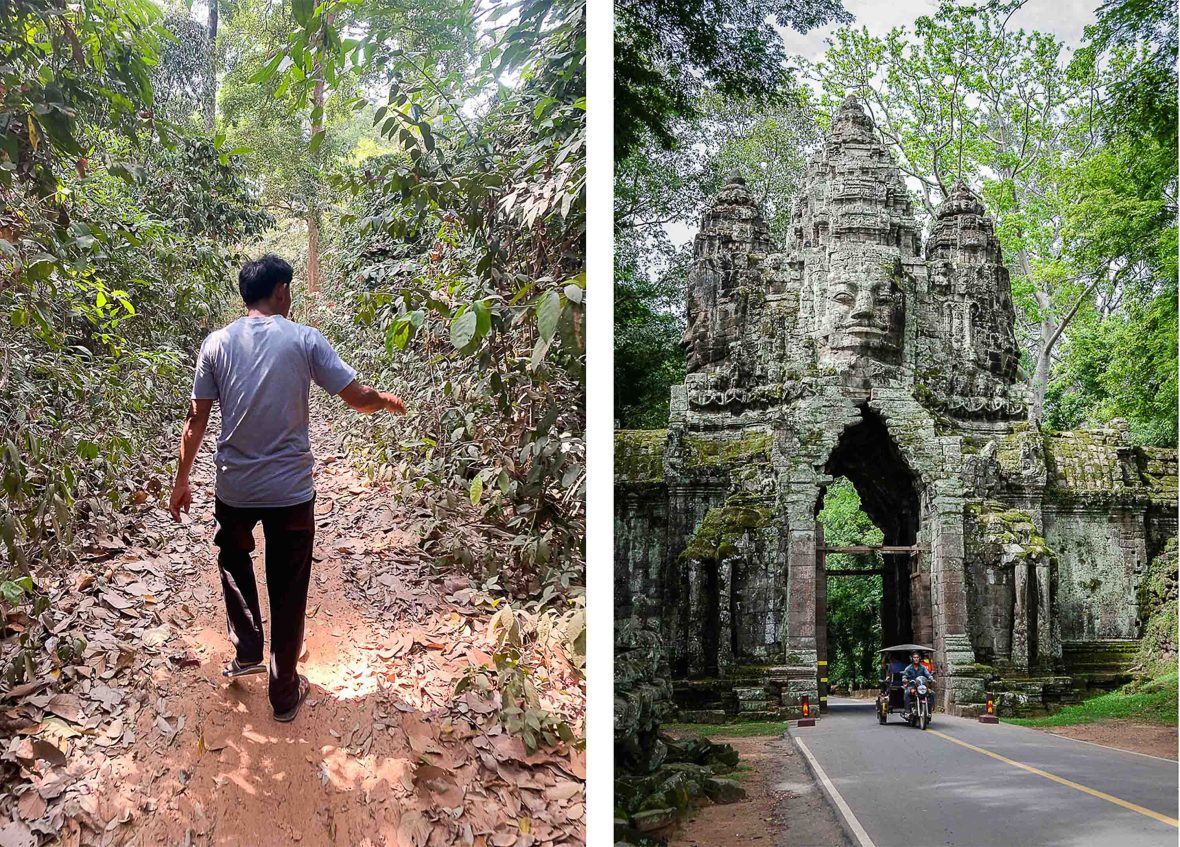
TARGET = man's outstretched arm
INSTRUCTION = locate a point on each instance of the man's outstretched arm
(190, 443)
(367, 400)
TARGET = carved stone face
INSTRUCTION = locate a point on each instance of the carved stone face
(864, 312)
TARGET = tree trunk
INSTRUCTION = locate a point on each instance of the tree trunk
(211, 94)
(313, 224)
(1040, 379)
(313, 253)
(1039, 383)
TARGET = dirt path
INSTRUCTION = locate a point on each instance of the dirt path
(783, 805)
(151, 746)
(1152, 739)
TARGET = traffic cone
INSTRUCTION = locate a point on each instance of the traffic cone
(807, 719)
(989, 716)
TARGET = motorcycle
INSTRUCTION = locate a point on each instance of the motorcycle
(921, 696)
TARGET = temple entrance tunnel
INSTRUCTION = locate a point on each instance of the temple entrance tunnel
(849, 607)
(858, 533)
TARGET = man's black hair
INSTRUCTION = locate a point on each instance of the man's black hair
(257, 280)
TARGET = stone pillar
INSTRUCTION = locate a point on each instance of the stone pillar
(920, 606)
(1020, 622)
(1048, 655)
(821, 619)
(801, 592)
(798, 498)
(952, 646)
(725, 616)
(697, 622)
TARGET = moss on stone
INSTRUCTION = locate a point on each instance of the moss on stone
(1157, 606)
(704, 452)
(717, 536)
(1000, 524)
(639, 455)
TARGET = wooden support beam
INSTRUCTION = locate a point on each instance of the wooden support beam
(870, 548)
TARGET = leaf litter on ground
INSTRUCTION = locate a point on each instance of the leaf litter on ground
(113, 689)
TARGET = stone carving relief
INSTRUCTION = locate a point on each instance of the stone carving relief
(864, 310)
(726, 258)
(841, 293)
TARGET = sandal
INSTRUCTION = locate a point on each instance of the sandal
(289, 715)
(235, 669)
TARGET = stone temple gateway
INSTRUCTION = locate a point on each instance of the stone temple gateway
(857, 350)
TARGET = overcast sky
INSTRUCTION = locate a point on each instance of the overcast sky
(1063, 18)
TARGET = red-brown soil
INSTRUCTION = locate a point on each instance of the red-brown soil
(1152, 739)
(149, 745)
(783, 807)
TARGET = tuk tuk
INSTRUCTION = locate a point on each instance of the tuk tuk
(892, 696)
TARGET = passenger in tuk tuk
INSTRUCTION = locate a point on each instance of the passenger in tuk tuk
(893, 667)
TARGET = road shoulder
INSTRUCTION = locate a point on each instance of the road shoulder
(850, 828)
(784, 806)
(1145, 739)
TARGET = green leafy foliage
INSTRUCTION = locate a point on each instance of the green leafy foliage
(521, 709)
(115, 242)
(667, 54)
(1119, 359)
(458, 269)
(648, 357)
(854, 602)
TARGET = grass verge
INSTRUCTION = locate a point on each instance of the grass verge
(1148, 701)
(749, 729)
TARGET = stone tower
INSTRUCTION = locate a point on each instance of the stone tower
(854, 350)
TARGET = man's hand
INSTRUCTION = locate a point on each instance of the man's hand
(181, 499)
(393, 403)
(190, 443)
(368, 400)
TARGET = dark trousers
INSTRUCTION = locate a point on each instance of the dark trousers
(289, 532)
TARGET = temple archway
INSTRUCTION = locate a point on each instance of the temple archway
(867, 456)
(889, 490)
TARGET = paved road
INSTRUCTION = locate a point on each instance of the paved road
(902, 787)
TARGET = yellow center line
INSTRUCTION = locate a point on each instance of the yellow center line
(1084, 789)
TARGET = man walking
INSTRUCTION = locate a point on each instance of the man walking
(260, 369)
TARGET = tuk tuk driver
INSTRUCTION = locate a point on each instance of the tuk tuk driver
(914, 671)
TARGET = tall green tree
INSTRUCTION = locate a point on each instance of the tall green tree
(667, 55)
(1120, 360)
